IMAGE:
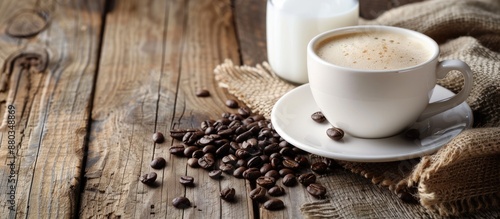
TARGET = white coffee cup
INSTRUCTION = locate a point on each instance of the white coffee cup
(359, 96)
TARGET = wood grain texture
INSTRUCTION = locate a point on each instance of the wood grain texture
(155, 55)
(51, 108)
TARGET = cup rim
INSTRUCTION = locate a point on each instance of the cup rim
(318, 38)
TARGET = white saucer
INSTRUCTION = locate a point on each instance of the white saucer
(291, 117)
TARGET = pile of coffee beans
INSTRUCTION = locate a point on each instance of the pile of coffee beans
(245, 145)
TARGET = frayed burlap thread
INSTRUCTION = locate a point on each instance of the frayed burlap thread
(462, 177)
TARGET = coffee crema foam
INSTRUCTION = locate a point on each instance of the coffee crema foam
(375, 50)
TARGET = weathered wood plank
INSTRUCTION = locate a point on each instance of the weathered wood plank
(51, 106)
(147, 83)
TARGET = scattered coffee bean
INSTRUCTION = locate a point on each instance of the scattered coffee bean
(273, 173)
(254, 162)
(285, 171)
(158, 163)
(318, 117)
(251, 174)
(158, 138)
(187, 180)
(228, 194)
(266, 167)
(177, 150)
(319, 167)
(215, 174)
(148, 178)
(316, 190)
(238, 172)
(181, 202)
(258, 194)
(197, 154)
(307, 178)
(274, 204)
(291, 164)
(188, 151)
(276, 191)
(302, 160)
(265, 181)
(207, 161)
(244, 112)
(193, 162)
(209, 149)
(289, 180)
(227, 168)
(335, 133)
(231, 103)
(412, 134)
(177, 134)
(202, 93)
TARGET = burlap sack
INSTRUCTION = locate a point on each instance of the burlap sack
(464, 175)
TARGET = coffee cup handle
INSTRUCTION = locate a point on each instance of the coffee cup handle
(442, 70)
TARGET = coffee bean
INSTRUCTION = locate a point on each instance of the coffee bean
(318, 117)
(228, 194)
(158, 138)
(332, 164)
(242, 153)
(222, 150)
(251, 174)
(177, 150)
(319, 167)
(148, 178)
(229, 159)
(238, 172)
(177, 134)
(271, 149)
(215, 174)
(208, 139)
(187, 180)
(191, 137)
(188, 151)
(307, 178)
(231, 103)
(276, 191)
(258, 194)
(265, 181)
(289, 180)
(181, 202)
(302, 160)
(227, 168)
(316, 190)
(158, 163)
(274, 204)
(202, 93)
(285, 171)
(266, 167)
(275, 155)
(254, 162)
(273, 173)
(209, 149)
(244, 112)
(207, 124)
(207, 161)
(291, 164)
(241, 163)
(335, 133)
(193, 162)
(198, 153)
(276, 163)
(264, 158)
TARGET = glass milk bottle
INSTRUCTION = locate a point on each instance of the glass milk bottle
(291, 24)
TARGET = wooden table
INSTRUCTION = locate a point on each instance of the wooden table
(84, 86)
